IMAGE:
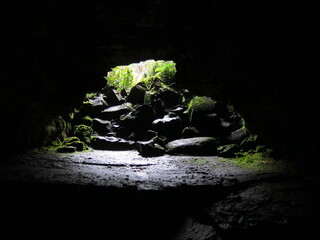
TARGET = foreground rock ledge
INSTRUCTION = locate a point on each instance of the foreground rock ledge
(201, 197)
(128, 168)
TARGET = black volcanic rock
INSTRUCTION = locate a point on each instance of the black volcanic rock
(193, 146)
(169, 126)
(137, 93)
(116, 111)
(111, 143)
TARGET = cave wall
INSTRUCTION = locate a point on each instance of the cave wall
(260, 57)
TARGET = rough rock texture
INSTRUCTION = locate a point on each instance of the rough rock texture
(258, 56)
(193, 146)
(169, 126)
(110, 143)
(116, 111)
(136, 94)
(167, 197)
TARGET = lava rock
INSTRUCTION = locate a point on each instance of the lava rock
(142, 117)
(228, 151)
(190, 132)
(150, 134)
(169, 126)
(113, 96)
(238, 136)
(80, 146)
(102, 127)
(201, 105)
(150, 149)
(193, 146)
(116, 111)
(93, 107)
(66, 149)
(209, 125)
(83, 132)
(158, 108)
(70, 140)
(249, 143)
(137, 93)
(111, 143)
(169, 97)
(87, 121)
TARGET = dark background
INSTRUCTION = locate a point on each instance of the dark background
(260, 56)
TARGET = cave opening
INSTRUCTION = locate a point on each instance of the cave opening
(242, 61)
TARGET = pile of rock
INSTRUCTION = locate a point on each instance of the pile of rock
(160, 119)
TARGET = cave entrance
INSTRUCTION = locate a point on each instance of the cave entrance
(142, 128)
(141, 107)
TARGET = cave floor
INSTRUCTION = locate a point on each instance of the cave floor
(129, 169)
(121, 195)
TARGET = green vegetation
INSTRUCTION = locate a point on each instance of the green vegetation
(90, 95)
(125, 77)
(255, 159)
(83, 132)
(87, 120)
(70, 140)
(201, 104)
(198, 104)
(120, 77)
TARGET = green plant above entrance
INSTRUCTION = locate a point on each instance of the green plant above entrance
(126, 76)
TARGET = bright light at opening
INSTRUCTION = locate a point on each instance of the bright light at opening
(126, 76)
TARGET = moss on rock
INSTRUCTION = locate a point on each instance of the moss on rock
(200, 104)
(83, 132)
(87, 120)
(70, 140)
(80, 146)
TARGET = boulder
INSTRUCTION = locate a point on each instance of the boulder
(94, 106)
(190, 132)
(83, 132)
(201, 105)
(116, 111)
(137, 93)
(150, 149)
(66, 149)
(249, 143)
(209, 125)
(169, 126)
(193, 146)
(102, 127)
(111, 143)
(238, 136)
(228, 151)
(87, 121)
(150, 134)
(141, 117)
(80, 146)
(70, 140)
(158, 108)
(113, 96)
(169, 97)
(185, 95)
